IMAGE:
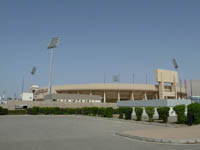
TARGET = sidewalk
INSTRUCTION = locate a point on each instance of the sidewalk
(185, 135)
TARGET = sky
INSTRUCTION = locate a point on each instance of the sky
(97, 37)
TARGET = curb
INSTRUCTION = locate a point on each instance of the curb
(140, 122)
(165, 141)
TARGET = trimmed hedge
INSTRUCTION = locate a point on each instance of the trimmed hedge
(125, 111)
(109, 112)
(92, 111)
(150, 112)
(163, 113)
(17, 112)
(34, 110)
(138, 112)
(180, 112)
(116, 111)
(101, 112)
(86, 111)
(128, 113)
(3, 111)
(194, 110)
(121, 112)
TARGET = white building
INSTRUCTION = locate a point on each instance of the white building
(27, 96)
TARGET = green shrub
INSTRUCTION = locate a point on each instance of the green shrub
(86, 110)
(180, 112)
(101, 112)
(33, 110)
(94, 111)
(163, 113)
(3, 111)
(150, 112)
(46, 110)
(78, 111)
(109, 112)
(138, 112)
(17, 112)
(121, 112)
(70, 111)
(125, 111)
(57, 111)
(128, 113)
(194, 109)
(104, 112)
(116, 111)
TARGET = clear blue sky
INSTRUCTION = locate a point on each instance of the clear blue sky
(97, 36)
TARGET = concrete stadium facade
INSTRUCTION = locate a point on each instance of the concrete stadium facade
(166, 88)
(111, 93)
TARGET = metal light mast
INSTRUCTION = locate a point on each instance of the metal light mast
(53, 44)
(176, 67)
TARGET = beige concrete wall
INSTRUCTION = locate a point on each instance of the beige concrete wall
(166, 76)
(11, 104)
(101, 86)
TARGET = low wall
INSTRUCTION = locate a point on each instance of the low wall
(154, 103)
(12, 104)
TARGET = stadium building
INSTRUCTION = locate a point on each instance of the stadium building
(166, 88)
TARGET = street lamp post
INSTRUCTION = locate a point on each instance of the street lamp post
(53, 44)
(176, 67)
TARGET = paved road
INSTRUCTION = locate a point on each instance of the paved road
(73, 133)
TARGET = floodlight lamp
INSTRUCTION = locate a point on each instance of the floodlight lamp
(33, 70)
(175, 64)
(53, 43)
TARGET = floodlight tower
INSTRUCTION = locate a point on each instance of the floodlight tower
(53, 44)
(33, 71)
(176, 67)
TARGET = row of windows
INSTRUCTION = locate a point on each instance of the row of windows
(79, 100)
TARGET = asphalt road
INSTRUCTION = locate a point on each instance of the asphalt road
(73, 133)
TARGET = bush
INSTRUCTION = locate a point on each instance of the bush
(121, 112)
(17, 112)
(78, 111)
(163, 113)
(180, 112)
(56, 111)
(86, 111)
(46, 110)
(33, 110)
(94, 111)
(194, 110)
(150, 112)
(101, 112)
(3, 111)
(71, 111)
(138, 112)
(116, 111)
(108, 112)
(128, 113)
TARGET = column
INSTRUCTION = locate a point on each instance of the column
(90, 92)
(132, 96)
(145, 95)
(104, 97)
(156, 95)
(161, 90)
(118, 95)
(174, 88)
